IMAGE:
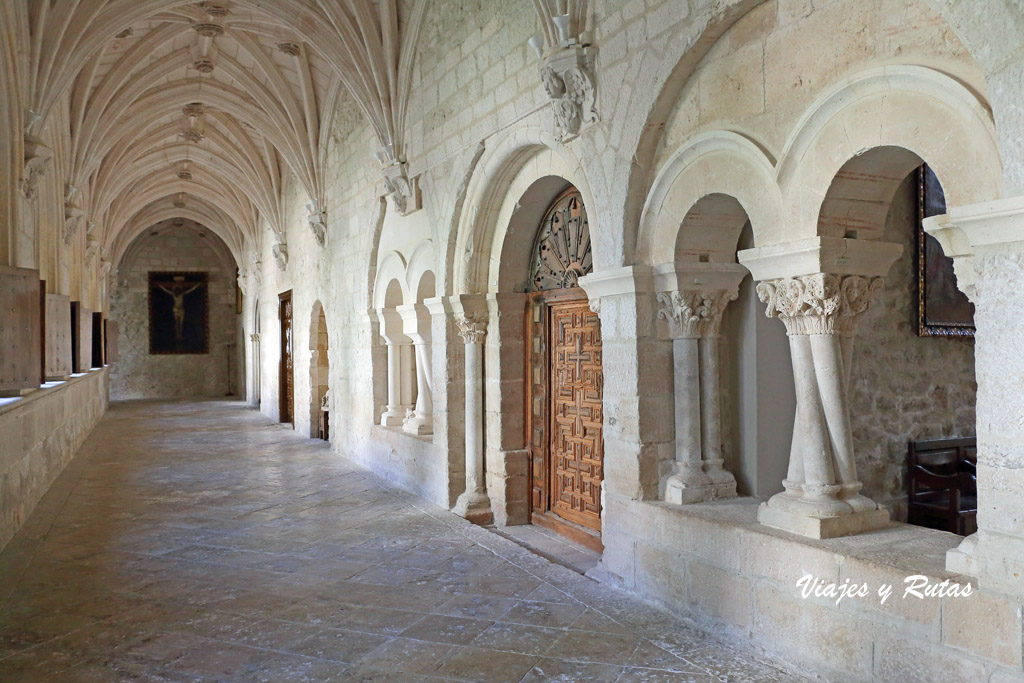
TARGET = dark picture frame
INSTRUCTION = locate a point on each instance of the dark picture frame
(179, 313)
(942, 309)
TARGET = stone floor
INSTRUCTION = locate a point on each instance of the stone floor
(200, 542)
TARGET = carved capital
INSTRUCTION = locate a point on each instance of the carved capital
(567, 75)
(473, 330)
(823, 303)
(693, 314)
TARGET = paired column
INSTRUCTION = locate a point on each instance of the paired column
(400, 365)
(694, 319)
(416, 326)
(822, 497)
(474, 504)
(819, 288)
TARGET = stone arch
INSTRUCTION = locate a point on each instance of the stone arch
(420, 281)
(721, 164)
(894, 108)
(513, 185)
(319, 369)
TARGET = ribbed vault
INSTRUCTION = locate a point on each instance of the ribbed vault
(202, 108)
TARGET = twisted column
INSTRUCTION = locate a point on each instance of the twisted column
(694, 319)
(822, 497)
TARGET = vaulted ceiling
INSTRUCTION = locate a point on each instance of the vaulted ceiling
(199, 109)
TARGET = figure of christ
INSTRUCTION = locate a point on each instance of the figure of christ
(178, 292)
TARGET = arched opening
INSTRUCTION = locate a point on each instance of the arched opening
(564, 377)
(319, 372)
(732, 383)
(912, 387)
(416, 325)
(257, 362)
(401, 364)
(176, 311)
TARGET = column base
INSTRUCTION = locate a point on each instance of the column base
(721, 479)
(419, 425)
(475, 507)
(773, 515)
(688, 484)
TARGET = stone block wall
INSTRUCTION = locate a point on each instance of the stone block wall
(904, 387)
(39, 434)
(716, 565)
(139, 374)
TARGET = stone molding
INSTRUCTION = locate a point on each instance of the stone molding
(823, 303)
(694, 314)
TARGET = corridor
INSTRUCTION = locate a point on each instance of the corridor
(200, 541)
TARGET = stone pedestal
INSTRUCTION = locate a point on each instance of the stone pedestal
(693, 317)
(986, 242)
(474, 503)
(820, 311)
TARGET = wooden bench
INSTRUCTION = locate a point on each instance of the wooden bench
(942, 491)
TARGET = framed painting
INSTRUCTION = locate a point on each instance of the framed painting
(178, 313)
(942, 309)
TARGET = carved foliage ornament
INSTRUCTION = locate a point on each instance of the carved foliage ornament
(562, 252)
(823, 303)
(692, 314)
(37, 159)
(472, 329)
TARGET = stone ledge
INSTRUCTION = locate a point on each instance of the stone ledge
(11, 404)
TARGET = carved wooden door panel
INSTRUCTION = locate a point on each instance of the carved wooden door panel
(577, 385)
(287, 374)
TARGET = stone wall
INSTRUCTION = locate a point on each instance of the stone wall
(139, 374)
(39, 434)
(904, 387)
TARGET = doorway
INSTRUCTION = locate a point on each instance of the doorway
(287, 375)
(565, 380)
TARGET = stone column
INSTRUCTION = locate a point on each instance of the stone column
(398, 400)
(820, 311)
(474, 503)
(986, 242)
(694, 319)
(416, 325)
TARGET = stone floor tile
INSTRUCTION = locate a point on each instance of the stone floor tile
(257, 555)
(442, 629)
(476, 664)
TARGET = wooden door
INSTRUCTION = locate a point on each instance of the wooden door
(287, 379)
(576, 447)
(565, 415)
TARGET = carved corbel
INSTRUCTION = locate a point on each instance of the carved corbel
(317, 218)
(280, 251)
(403, 190)
(72, 214)
(567, 75)
(257, 269)
(37, 160)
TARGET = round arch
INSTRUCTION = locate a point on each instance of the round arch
(897, 107)
(713, 164)
(512, 186)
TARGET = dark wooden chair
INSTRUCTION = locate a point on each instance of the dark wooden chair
(942, 491)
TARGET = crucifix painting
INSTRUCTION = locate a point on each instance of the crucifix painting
(178, 313)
